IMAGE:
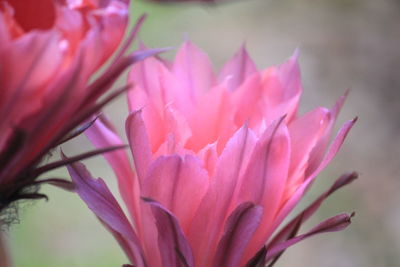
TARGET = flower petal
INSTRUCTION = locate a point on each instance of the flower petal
(282, 90)
(333, 149)
(265, 179)
(173, 246)
(139, 143)
(333, 224)
(237, 70)
(207, 226)
(305, 133)
(193, 68)
(102, 134)
(239, 228)
(100, 200)
(184, 184)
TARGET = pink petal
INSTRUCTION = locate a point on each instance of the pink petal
(248, 107)
(294, 224)
(184, 184)
(193, 68)
(282, 89)
(209, 157)
(102, 134)
(297, 195)
(101, 201)
(265, 179)
(305, 133)
(214, 209)
(24, 85)
(333, 224)
(237, 70)
(212, 120)
(173, 246)
(239, 228)
(139, 143)
(317, 154)
(145, 76)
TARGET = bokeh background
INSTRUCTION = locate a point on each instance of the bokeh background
(344, 44)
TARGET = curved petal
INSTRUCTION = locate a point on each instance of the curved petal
(265, 179)
(237, 70)
(184, 184)
(282, 89)
(305, 134)
(239, 228)
(193, 69)
(174, 248)
(139, 143)
(102, 134)
(333, 224)
(289, 204)
(100, 200)
(208, 222)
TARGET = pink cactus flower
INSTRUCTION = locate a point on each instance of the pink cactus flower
(186, 1)
(49, 51)
(219, 162)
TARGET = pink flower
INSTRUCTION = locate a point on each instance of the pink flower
(220, 161)
(49, 51)
(184, 1)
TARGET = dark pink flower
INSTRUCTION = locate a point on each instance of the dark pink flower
(220, 161)
(49, 51)
(186, 1)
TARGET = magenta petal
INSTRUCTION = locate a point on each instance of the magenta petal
(266, 173)
(100, 200)
(193, 67)
(292, 227)
(139, 143)
(240, 227)
(220, 196)
(343, 180)
(174, 248)
(265, 179)
(237, 70)
(184, 184)
(333, 224)
(333, 149)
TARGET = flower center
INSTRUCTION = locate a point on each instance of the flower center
(33, 14)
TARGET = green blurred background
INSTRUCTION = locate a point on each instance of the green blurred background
(344, 44)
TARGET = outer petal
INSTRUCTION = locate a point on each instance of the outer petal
(139, 143)
(318, 152)
(193, 68)
(100, 200)
(305, 133)
(282, 89)
(184, 184)
(333, 224)
(237, 70)
(102, 135)
(146, 77)
(265, 179)
(26, 83)
(288, 205)
(215, 207)
(247, 102)
(175, 249)
(312, 208)
(239, 229)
